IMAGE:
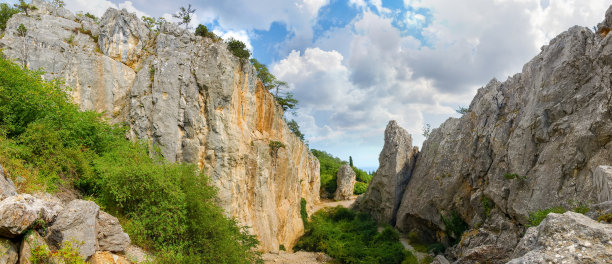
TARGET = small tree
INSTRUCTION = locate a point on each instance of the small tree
(24, 7)
(22, 31)
(238, 48)
(351, 161)
(185, 15)
(426, 130)
(295, 128)
(462, 110)
(6, 12)
(203, 31)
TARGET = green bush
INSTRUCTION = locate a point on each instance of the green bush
(202, 31)
(455, 226)
(168, 208)
(487, 204)
(303, 212)
(360, 188)
(6, 12)
(351, 237)
(537, 217)
(238, 48)
(607, 218)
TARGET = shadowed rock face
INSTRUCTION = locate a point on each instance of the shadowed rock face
(532, 142)
(190, 96)
(397, 158)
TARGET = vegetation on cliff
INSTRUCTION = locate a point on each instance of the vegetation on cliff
(329, 172)
(47, 144)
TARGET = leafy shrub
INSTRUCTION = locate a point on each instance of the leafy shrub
(67, 254)
(351, 238)
(168, 208)
(487, 204)
(295, 129)
(92, 16)
(455, 226)
(238, 48)
(537, 217)
(6, 12)
(605, 218)
(202, 31)
(360, 188)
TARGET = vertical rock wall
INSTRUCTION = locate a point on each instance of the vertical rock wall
(190, 96)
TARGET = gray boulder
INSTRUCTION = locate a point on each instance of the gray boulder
(8, 251)
(397, 158)
(7, 188)
(346, 178)
(566, 238)
(602, 179)
(20, 212)
(76, 224)
(110, 234)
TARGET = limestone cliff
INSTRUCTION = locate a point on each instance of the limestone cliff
(529, 143)
(188, 95)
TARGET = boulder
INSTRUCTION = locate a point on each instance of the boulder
(20, 212)
(76, 224)
(566, 238)
(30, 242)
(8, 251)
(397, 158)
(7, 188)
(345, 182)
(105, 257)
(110, 234)
(602, 179)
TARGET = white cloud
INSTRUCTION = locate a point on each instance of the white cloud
(95, 7)
(239, 35)
(129, 6)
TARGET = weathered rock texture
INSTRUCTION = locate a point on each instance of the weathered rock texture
(397, 158)
(190, 96)
(566, 238)
(345, 182)
(19, 212)
(76, 224)
(533, 142)
(110, 234)
(7, 188)
(8, 251)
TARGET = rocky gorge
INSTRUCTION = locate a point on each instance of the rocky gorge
(186, 94)
(539, 140)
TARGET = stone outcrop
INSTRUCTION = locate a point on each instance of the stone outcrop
(76, 224)
(602, 178)
(396, 160)
(105, 257)
(345, 183)
(110, 235)
(8, 251)
(7, 188)
(19, 212)
(188, 95)
(566, 238)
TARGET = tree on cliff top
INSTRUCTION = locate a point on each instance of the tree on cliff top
(24, 7)
(185, 15)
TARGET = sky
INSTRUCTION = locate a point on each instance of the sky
(356, 64)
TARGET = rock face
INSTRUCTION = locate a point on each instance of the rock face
(190, 96)
(30, 242)
(110, 234)
(566, 238)
(345, 183)
(397, 158)
(8, 251)
(602, 178)
(76, 224)
(7, 188)
(526, 144)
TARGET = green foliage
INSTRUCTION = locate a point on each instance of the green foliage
(605, 218)
(92, 16)
(462, 110)
(351, 161)
(238, 48)
(295, 129)
(537, 217)
(287, 102)
(67, 254)
(351, 238)
(6, 12)
(58, 3)
(152, 23)
(22, 31)
(360, 188)
(70, 40)
(426, 131)
(303, 212)
(263, 73)
(281, 247)
(455, 226)
(202, 31)
(168, 208)
(185, 15)
(511, 176)
(487, 204)
(25, 7)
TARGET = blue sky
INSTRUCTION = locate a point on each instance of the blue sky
(356, 64)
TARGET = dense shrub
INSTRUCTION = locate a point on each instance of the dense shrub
(329, 166)
(6, 12)
(360, 188)
(202, 31)
(454, 226)
(47, 143)
(238, 48)
(351, 238)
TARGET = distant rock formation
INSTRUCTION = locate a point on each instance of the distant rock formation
(396, 160)
(186, 94)
(541, 139)
(345, 183)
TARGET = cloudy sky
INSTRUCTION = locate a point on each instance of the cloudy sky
(356, 64)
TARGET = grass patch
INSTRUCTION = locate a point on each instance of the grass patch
(537, 217)
(47, 143)
(512, 176)
(351, 238)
